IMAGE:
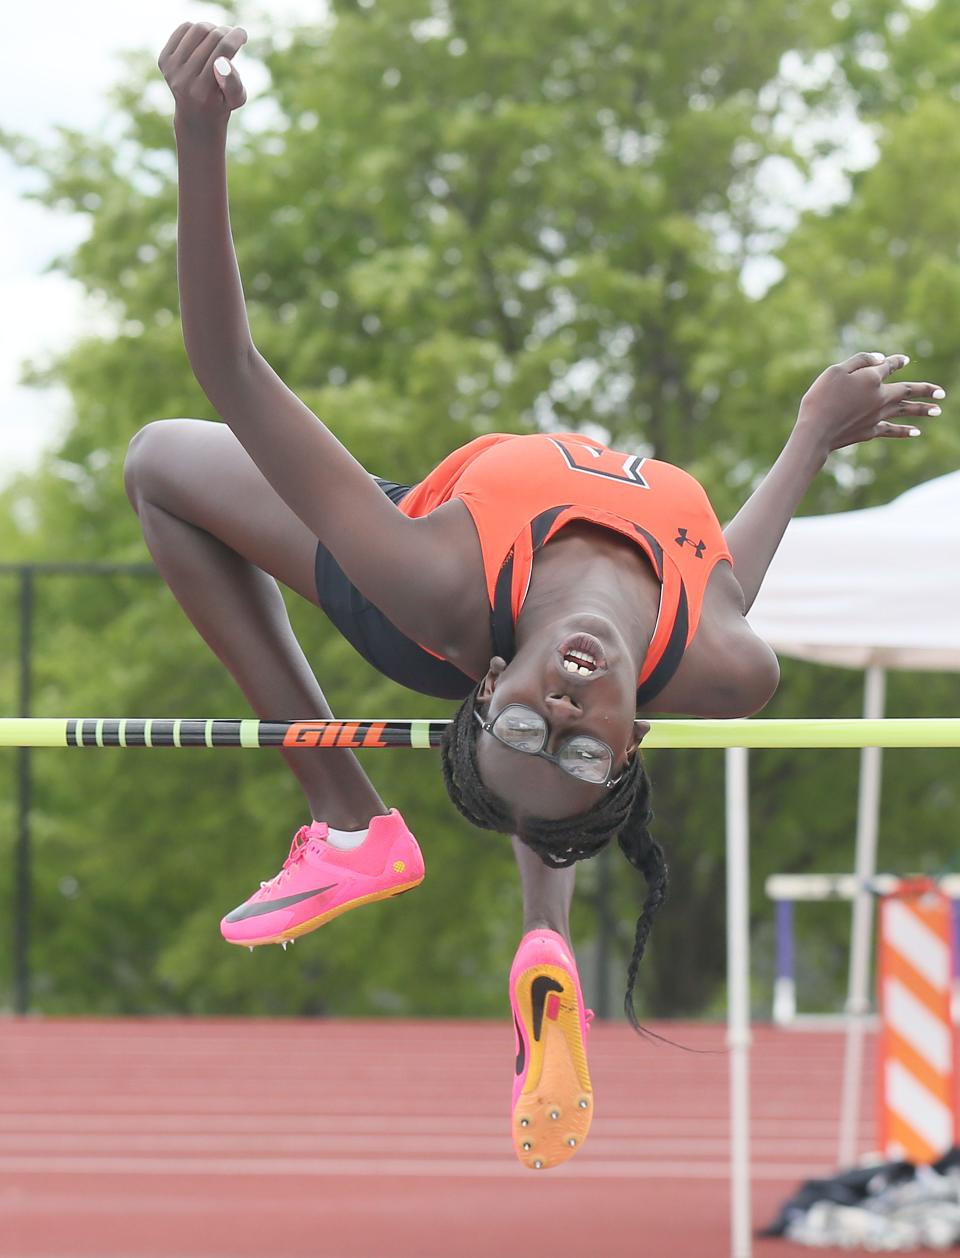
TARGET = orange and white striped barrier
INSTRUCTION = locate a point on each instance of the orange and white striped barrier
(918, 1057)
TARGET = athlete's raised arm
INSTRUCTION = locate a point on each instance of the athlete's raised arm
(847, 404)
(399, 563)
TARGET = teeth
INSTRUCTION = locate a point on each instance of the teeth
(580, 662)
(571, 666)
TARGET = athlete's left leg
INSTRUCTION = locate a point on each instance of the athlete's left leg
(552, 1094)
(547, 893)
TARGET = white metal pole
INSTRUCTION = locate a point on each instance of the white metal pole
(738, 997)
(858, 991)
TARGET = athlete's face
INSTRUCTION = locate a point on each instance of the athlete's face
(580, 685)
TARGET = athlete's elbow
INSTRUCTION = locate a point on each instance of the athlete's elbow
(222, 369)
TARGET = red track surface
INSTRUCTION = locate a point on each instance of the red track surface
(237, 1139)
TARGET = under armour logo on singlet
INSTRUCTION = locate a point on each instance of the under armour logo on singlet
(682, 540)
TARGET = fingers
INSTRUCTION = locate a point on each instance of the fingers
(233, 43)
(859, 361)
(922, 410)
(195, 45)
(202, 41)
(233, 90)
(901, 405)
(885, 364)
(223, 41)
(172, 42)
(892, 363)
(885, 429)
(196, 34)
(909, 397)
(913, 389)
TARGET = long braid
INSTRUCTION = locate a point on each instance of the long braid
(624, 812)
(649, 859)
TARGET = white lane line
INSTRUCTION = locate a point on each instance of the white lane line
(292, 1125)
(346, 1144)
(406, 1168)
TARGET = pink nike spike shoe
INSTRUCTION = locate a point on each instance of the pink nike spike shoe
(552, 1096)
(318, 882)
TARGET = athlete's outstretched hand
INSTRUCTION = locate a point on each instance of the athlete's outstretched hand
(851, 402)
(197, 63)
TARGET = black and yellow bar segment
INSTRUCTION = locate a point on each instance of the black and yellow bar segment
(366, 734)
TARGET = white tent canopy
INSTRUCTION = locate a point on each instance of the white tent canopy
(878, 587)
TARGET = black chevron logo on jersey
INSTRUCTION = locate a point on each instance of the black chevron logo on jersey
(603, 462)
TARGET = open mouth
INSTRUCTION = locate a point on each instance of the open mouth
(583, 655)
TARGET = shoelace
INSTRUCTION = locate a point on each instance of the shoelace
(588, 1017)
(301, 841)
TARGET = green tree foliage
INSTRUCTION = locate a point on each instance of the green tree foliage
(453, 223)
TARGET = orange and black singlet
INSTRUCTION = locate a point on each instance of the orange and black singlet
(520, 491)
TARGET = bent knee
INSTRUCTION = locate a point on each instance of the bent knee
(747, 679)
(761, 680)
(152, 457)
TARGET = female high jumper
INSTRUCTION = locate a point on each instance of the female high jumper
(557, 588)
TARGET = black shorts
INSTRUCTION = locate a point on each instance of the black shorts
(376, 638)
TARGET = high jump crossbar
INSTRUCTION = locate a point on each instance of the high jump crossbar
(366, 734)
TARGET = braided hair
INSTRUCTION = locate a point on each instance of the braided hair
(624, 812)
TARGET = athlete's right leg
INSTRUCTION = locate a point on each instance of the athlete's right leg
(220, 535)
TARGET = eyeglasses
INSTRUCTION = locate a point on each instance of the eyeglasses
(582, 756)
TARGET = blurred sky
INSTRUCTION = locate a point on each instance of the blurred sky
(57, 61)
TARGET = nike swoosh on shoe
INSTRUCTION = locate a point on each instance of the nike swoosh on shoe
(261, 907)
(521, 1051)
(540, 989)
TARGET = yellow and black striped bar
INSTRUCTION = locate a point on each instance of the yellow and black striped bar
(366, 734)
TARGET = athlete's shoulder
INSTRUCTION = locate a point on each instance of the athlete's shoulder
(484, 442)
(468, 453)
